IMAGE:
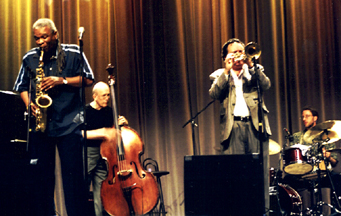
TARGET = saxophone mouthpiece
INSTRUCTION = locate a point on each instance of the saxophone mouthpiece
(41, 54)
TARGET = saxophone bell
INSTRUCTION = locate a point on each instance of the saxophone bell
(43, 101)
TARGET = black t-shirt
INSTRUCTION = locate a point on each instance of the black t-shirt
(98, 119)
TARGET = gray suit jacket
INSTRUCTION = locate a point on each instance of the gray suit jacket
(223, 89)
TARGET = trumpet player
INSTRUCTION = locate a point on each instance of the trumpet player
(236, 89)
(60, 82)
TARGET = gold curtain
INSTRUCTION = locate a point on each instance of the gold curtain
(164, 51)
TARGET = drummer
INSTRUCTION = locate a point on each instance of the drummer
(305, 186)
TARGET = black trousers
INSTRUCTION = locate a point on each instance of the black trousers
(42, 162)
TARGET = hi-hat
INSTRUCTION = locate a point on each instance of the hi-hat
(325, 132)
(274, 148)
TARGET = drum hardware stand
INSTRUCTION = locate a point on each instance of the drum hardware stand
(334, 194)
(319, 204)
(278, 175)
(275, 190)
(332, 189)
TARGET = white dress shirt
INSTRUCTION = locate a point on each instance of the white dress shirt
(241, 108)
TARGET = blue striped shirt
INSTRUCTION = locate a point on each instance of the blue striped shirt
(67, 104)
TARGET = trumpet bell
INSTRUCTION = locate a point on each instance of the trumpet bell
(252, 50)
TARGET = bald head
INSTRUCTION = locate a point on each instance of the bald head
(101, 95)
(100, 86)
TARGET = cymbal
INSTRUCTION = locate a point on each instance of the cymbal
(274, 147)
(321, 132)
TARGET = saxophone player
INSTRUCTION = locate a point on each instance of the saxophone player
(61, 80)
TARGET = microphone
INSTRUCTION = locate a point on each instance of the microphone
(81, 31)
(288, 136)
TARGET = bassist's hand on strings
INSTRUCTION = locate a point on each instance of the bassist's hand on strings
(122, 121)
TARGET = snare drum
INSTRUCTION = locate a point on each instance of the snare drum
(295, 162)
(313, 174)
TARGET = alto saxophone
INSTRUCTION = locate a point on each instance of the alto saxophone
(42, 99)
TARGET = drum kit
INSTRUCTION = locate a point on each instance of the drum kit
(307, 163)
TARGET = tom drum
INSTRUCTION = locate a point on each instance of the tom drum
(295, 163)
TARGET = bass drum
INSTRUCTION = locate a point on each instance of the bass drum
(290, 202)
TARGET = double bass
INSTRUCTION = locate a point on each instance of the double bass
(128, 188)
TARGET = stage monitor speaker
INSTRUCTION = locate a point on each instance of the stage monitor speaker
(223, 185)
(13, 126)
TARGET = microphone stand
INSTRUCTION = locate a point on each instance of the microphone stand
(194, 124)
(28, 113)
(85, 151)
(260, 134)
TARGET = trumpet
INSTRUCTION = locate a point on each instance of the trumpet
(251, 51)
